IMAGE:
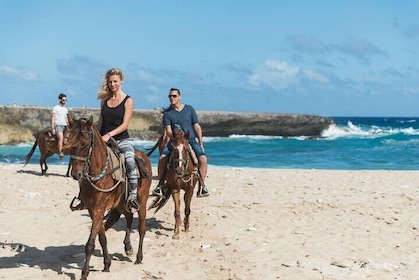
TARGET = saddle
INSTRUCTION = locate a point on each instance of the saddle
(117, 171)
(50, 137)
(117, 162)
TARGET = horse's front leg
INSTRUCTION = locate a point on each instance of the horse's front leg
(68, 169)
(142, 225)
(97, 228)
(127, 240)
(104, 243)
(187, 199)
(88, 249)
(178, 221)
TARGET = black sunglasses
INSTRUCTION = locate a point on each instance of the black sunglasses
(173, 96)
(63, 99)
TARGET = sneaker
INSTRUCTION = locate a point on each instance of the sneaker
(202, 192)
(157, 191)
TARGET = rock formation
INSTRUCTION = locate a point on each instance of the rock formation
(22, 124)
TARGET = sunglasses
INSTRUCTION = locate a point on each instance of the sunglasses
(63, 99)
(172, 96)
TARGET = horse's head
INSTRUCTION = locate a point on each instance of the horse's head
(180, 158)
(79, 140)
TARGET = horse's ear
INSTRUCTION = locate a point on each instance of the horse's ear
(70, 121)
(186, 135)
(90, 121)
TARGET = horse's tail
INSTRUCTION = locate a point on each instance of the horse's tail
(160, 201)
(151, 150)
(29, 155)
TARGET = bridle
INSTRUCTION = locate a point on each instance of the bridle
(87, 161)
(180, 167)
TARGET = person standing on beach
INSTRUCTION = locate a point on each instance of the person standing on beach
(59, 121)
(185, 117)
(115, 115)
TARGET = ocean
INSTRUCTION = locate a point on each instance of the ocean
(354, 143)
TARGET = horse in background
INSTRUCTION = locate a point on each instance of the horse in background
(182, 174)
(48, 146)
(100, 191)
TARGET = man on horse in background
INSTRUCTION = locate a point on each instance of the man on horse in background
(59, 121)
(185, 117)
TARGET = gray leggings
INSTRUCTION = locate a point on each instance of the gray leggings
(126, 146)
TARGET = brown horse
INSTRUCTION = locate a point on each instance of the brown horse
(100, 192)
(182, 173)
(48, 146)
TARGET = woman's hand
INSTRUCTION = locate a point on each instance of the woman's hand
(106, 137)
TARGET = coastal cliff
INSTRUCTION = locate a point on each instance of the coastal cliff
(22, 124)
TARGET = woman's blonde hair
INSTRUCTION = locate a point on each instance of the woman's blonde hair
(105, 93)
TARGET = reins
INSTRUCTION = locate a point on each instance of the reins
(92, 179)
(174, 161)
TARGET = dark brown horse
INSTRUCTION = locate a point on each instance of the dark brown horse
(182, 174)
(48, 146)
(99, 191)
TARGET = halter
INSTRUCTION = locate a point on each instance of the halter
(86, 166)
(174, 162)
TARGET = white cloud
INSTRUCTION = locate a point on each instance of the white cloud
(274, 74)
(18, 74)
(314, 76)
(148, 77)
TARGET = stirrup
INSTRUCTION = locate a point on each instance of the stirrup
(79, 206)
(158, 191)
(202, 192)
(132, 204)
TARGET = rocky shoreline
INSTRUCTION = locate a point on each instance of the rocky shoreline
(22, 124)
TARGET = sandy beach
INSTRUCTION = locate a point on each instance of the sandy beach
(257, 224)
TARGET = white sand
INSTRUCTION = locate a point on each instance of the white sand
(257, 224)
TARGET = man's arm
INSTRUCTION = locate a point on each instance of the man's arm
(198, 133)
(53, 123)
(169, 132)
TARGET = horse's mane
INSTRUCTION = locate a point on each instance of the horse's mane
(177, 136)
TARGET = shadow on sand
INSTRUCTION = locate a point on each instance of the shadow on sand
(39, 173)
(61, 259)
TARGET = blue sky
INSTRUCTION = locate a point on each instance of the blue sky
(330, 58)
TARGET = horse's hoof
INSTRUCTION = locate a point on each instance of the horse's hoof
(139, 258)
(129, 252)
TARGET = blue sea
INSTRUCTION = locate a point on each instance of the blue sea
(354, 143)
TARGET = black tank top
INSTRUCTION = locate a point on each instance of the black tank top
(112, 118)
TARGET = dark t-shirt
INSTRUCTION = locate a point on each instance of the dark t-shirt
(112, 118)
(186, 118)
